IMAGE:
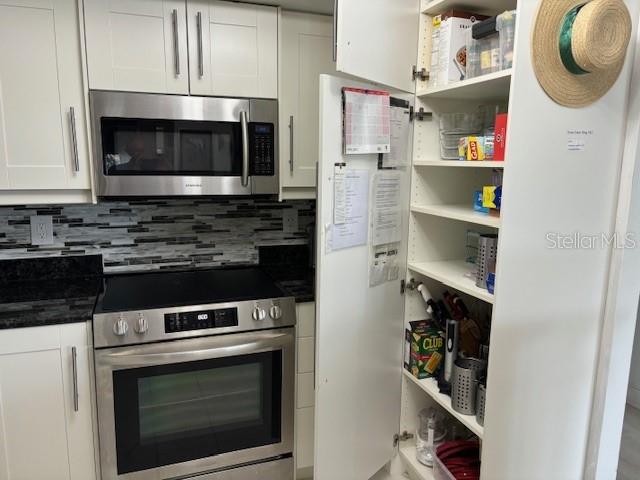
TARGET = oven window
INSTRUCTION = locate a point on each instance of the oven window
(164, 147)
(179, 412)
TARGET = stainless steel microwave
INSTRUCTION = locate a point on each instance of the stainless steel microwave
(165, 145)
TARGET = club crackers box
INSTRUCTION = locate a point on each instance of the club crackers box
(424, 349)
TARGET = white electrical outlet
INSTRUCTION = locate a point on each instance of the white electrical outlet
(290, 220)
(41, 230)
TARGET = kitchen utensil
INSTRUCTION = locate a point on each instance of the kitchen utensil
(451, 348)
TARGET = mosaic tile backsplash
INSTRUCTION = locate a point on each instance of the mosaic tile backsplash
(142, 235)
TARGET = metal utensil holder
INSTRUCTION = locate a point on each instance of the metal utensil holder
(464, 384)
(481, 398)
(487, 253)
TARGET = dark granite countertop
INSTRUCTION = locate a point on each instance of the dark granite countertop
(57, 290)
(289, 266)
(48, 291)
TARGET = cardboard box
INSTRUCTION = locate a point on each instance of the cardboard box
(501, 136)
(424, 349)
(449, 46)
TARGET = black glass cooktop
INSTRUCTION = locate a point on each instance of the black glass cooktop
(143, 291)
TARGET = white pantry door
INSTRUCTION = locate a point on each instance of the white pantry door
(377, 40)
(359, 329)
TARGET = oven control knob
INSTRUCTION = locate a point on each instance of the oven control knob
(259, 314)
(121, 327)
(141, 325)
(275, 312)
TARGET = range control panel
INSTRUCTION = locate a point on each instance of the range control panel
(201, 319)
(261, 148)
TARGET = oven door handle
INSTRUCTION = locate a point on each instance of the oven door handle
(194, 349)
(244, 126)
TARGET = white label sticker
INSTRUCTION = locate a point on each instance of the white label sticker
(578, 140)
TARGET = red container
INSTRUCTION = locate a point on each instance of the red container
(501, 136)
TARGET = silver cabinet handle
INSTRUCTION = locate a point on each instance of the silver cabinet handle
(244, 125)
(200, 56)
(291, 143)
(74, 138)
(335, 30)
(176, 45)
(74, 367)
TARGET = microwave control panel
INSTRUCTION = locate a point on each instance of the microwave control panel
(201, 319)
(261, 148)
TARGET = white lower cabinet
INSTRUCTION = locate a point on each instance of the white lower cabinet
(305, 53)
(305, 392)
(43, 127)
(46, 414)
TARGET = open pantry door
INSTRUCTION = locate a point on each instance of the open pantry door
(359, 327)
(377, 40)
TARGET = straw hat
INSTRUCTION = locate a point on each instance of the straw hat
(578, 48)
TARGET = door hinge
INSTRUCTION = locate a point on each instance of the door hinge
(410, 285)
(419, 115)
(402, 437)
(422, 74)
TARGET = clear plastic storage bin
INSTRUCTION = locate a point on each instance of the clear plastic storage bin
(506, 27)
(456, 125)
(440, 472)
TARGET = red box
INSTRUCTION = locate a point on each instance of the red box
(500, 141)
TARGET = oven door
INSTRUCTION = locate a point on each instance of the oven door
(191, 406)
(164, 145)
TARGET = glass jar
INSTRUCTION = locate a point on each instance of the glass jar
(431, 433)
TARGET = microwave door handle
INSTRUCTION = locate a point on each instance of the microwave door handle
(244, 126)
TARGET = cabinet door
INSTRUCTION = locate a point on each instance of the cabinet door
(233, 49)
(305, 53)
(378, 40)
(42, 434)
(40, 86)
(358, 328)
(137, 45)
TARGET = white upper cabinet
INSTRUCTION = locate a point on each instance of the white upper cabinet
(46, 414)
(43, 133)
(137, 45)
(378, 40)
(305, 53)
(233, 49)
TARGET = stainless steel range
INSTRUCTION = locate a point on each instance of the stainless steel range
(195, 376)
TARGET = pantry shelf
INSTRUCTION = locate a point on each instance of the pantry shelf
(430, 386)
(414, 468)
(452, 273)
(459, 163)
(463, 213)
(485, 7)
(492, 85)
